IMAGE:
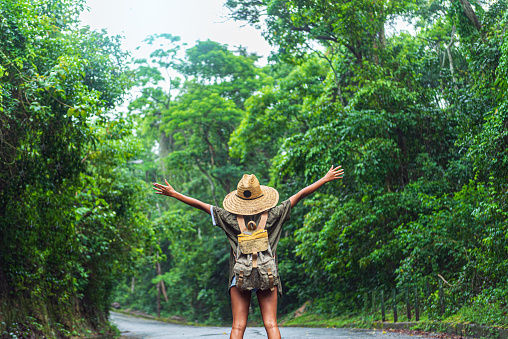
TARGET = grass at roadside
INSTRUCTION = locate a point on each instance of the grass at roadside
(495, 317)
(321, 320)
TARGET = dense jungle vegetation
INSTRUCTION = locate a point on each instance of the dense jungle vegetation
(418, 120)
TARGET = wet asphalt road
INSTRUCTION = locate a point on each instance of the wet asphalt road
(132, 327)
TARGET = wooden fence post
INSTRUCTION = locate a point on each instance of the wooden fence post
(408, 305)
(395, 305)
(417, 311)
(383, 318)
(365, 302)
(373, 305)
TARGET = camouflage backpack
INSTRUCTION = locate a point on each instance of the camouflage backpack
(255, 264)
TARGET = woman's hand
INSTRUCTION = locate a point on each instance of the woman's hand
(170, 192)
(334, 173)
(164, 190)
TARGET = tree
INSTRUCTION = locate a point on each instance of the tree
(70, 217)
(294, 25)
(196, 124)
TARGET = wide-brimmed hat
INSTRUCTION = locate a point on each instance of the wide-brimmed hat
(250, 197)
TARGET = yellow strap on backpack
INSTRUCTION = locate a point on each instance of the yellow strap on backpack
(256, 235)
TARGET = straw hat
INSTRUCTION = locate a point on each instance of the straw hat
(250, 198)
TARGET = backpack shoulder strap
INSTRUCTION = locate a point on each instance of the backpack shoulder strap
(261, 226)
(262, 222)
(241, 223)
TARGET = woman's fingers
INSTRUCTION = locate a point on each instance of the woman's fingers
(337, 172)
(159, 185)
(159, 188)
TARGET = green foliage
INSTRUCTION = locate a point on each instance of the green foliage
(419, 124)
(293, 25)
(71, 212)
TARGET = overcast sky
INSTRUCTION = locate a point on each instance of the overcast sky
(190, 19)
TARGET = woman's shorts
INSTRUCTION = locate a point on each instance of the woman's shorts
(233, 283)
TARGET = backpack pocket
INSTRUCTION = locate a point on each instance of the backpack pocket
(244, 276)
(268, 275)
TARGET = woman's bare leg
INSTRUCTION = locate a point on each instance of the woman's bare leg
(240, 302)
(268, 305)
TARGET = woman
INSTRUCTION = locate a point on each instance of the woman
(250, 200)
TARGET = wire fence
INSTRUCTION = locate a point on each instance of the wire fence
(406, 303)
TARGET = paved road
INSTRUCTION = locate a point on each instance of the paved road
(132, 327)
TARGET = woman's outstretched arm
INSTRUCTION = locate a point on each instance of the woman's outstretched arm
(170, 192)
(333, 173)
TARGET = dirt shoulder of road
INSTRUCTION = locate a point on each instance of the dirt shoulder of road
(172, 320)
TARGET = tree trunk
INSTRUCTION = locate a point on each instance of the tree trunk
(448, 51)
(332, 67)
(164, 144)
(210, 180)
(401, 141)
(374, 52)
(158, 271)
(337, 83)
(379, 42)
(382, 36)
(162, 286)
(471, 15)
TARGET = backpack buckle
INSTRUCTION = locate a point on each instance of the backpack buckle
(270, 279)
(251, 226)
(240, 280)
